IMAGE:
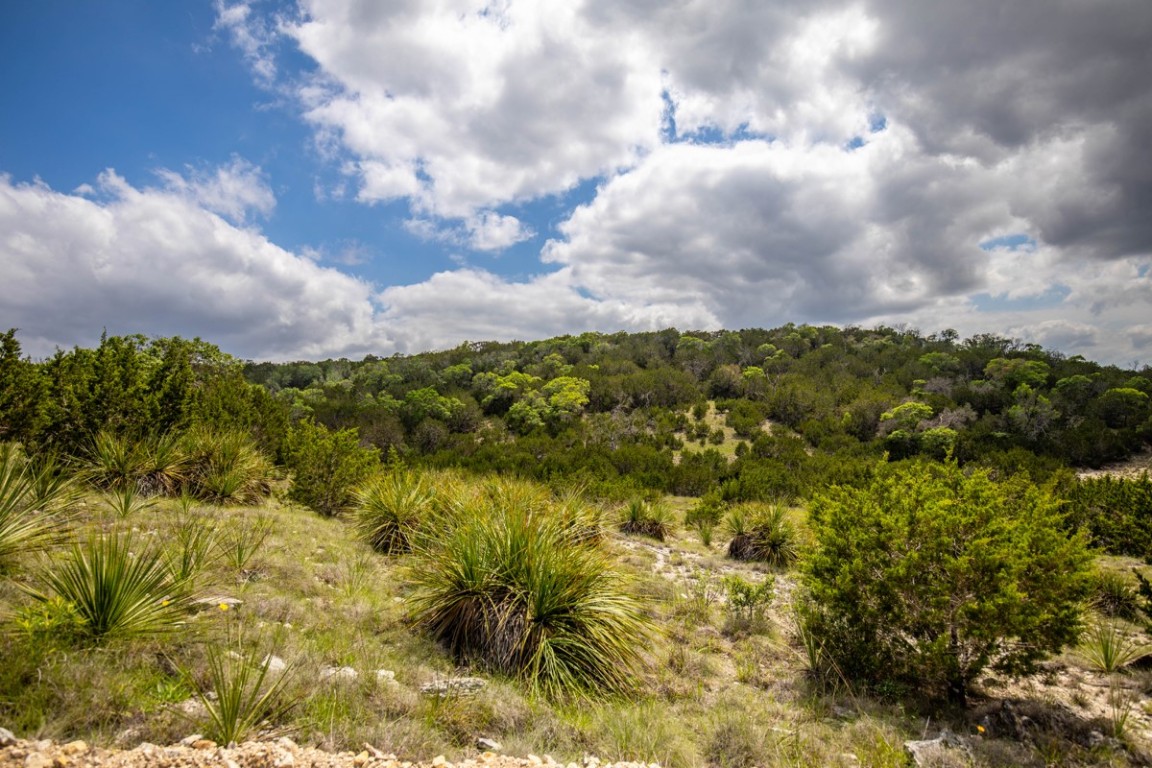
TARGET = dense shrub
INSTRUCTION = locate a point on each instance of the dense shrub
(327, 466)
(928, 576)
(1117, 512)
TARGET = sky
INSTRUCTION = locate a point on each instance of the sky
(336, 178)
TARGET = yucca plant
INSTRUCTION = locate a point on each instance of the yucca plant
(114, 461)
(644, 518)
(226, 467)
(1107, 648)
(35, 504)
(164, 465)
(1115, 596)
(118, 587)
(239, 539)
(513, 591)
(194, 547)
(239, 695)
(389, 509)
(762, 535)
(126, 501)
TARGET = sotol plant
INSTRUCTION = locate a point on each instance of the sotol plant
(390, 508)
(513, 591)
(35, 504)
(118, 587)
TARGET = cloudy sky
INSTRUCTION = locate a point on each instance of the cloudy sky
(341, 177)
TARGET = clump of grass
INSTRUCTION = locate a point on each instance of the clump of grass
(239, 695)
(117, 587)
(1107, 648)
(762, 534)
(1115, 596)
(238, 540)
(126, 501)
(511, 590)
(35, 504)
(226, 467)
(390, 508)
(644, 518)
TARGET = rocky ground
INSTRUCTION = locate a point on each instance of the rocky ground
(194, 752)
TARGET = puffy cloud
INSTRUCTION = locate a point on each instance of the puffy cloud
(463, 105)
(836, 160)
(471, 304)
(233, 190)
(154, 260)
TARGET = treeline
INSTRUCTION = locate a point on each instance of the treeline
(629, 408)
(618, 413)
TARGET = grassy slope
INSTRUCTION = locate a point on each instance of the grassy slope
(318, 598)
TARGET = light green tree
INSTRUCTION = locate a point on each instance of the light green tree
(930, 575)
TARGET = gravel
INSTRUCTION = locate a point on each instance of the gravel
(282, 753)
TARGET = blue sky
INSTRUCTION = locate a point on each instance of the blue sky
(343, 177)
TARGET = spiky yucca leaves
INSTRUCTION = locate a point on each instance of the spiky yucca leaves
(512, 590)
(113, 461)
(1107, 648)
(646, 518)
(126, 501)
(36, 500)
(118, 586)
(194, 547)
(390, 508)
(239, 696)
(226, 467)
(153, 465)
(763, 534)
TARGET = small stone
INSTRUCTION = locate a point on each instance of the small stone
(488, 745)
(284, 760)
(37, 760)
(385, 676)
(339, 673)
(230, 763)
(77, 747)
(439, 760)
(7, 738)
(188, 741)
(535, 760)
(204, 744)
(61, 761)
(360, 759)
(275, 663)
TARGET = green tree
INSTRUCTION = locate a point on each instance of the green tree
(327, 466)
(928, 575)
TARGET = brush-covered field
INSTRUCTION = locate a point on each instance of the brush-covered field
(444, 609)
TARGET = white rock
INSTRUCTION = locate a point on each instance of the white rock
(339, 673)
(275, 663)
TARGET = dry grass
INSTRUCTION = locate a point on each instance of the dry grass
(320, 599)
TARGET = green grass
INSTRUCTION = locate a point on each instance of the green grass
(319, 595)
